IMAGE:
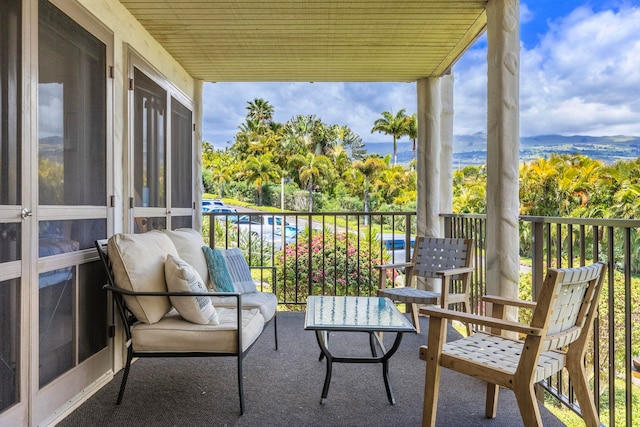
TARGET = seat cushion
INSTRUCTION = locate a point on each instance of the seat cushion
(137, 261)
(188, 243)
(174, 334)
(266, 302)
(182, 277)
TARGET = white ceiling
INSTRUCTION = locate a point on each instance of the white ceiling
(313, 40)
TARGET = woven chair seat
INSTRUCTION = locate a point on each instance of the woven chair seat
(502, 353)
(410, 295)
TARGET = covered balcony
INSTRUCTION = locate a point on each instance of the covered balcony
(285, 385)
(155, 51)
(322, 41)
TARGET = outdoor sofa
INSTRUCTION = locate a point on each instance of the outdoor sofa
(159, 284)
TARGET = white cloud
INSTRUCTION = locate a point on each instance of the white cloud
(526, 14)
(356, 105)
(582, 77)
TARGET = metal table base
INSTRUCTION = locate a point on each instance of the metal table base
(373, 315)
(323, 339)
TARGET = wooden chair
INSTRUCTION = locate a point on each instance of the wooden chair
(557, 337)
(444, 258)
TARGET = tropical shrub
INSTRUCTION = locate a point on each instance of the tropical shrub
(333, 263)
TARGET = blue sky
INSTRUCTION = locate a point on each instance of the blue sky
(579, 75)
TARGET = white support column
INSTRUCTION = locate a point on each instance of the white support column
(429, 108)
(446, 149)
(429, 162)
(197, 151)
(503, 59)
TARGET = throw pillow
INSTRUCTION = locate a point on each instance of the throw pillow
(218, 272)
(126, 251)
(239, 271)
(182, 277)
(188, 243)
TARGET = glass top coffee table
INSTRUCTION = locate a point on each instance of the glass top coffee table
(356, 314)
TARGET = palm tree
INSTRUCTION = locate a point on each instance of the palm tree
(391, 181)
(369, 168)
(392, 125)
(260, 110)
(221, 173)
(340, 157)
(311, 168)
(247, 136)
(471, 199)
(260, 170)
(627, 201)
(412, 133)
(539, 187)
(352, 142)
(311, 133)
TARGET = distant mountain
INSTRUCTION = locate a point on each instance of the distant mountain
(472, 149)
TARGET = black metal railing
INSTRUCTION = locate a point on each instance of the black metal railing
(333, 254)
(472, 227)
(329, 253)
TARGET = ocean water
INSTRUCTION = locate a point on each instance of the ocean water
(471, 150)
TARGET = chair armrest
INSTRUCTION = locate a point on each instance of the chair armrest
(455, 271)
(394, 265)
(408, 270)
(490, 322)
(497, 300)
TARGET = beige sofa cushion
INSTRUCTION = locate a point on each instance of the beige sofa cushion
(188, 243)
(181, 277)
(266, 302)
(138, 261)
(174, 334)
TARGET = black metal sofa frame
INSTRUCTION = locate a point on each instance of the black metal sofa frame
(128, 320)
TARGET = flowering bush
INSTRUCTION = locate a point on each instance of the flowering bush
(334, 265)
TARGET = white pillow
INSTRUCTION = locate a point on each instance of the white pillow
(181, 277)
(188, 243)
(137, 261)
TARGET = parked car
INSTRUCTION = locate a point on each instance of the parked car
(291, 235)
(225, 209)
(211, 203)
(261, 224)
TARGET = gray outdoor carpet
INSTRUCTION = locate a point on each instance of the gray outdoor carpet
(282, 388)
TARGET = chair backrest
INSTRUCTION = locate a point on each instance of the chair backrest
(432, 254)
(567, 304)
